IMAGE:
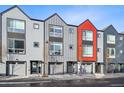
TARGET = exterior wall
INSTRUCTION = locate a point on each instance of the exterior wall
(31, 36)
(112, 31)
(71, 38)
(120, 47)
(100, 44)
(0, 37)
(68, 55)
(87, 25)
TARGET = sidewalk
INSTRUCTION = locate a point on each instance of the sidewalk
(64, 77)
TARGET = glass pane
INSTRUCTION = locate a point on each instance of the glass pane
(10, 43)
(19, 44)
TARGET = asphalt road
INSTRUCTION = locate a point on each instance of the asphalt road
(111, 82)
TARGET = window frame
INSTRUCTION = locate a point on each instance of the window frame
(52, 52)
(54, 34)
(34, 24)
(110, 41)
(13, 48)
(71, 30)
(87, 55)
(24, 30)
(85, 37)
(109, 53)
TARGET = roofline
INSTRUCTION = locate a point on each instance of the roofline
(36, 19)
(54, 15)
(72, 25)
(100, 30)
(15, 6)
(89, 21)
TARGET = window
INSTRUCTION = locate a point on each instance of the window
(98, 35)
(36, 26)
(71, 30)
(71, 46)
(121, 38)
(87, 51)
(56, 31)
(111, 39)
(55, 48)
(98, 49)
(87, 35)
(36, 44)
(111, 52)
(16, 46)
(14, 25)
(121, 51)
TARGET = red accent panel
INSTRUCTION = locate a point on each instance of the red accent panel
(87, 25)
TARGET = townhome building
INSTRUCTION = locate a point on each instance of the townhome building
(51, 46)
(22, 42)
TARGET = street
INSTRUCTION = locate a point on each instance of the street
(107, 82)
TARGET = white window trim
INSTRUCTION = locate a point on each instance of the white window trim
(53, 51)
(85, 37)
(109, 55)
(14, 31)
(85, 55)
(14, 46)
(111, 42)
(54, 34)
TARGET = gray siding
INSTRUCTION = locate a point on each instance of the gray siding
(68, 55)
(110, 31)
(120, 47)
(0, 37)
(100, 46)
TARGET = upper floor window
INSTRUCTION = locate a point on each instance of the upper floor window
(87, 35)
(87, 50)
(71, 30)
(121, 38)
(14, 25)
(36, 26)
(98, 35)
(16, 46)
(111, 39)
(56, 48)
(111, 52)
(56, 31)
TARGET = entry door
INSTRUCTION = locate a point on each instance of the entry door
(36, 67)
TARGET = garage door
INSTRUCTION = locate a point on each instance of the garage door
(56, 68)
(17, 69)
(87, 68)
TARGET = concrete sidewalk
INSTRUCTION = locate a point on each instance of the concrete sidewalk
(64, 77)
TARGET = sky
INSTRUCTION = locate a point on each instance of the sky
(100, 15)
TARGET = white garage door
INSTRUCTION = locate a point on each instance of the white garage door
(56, 68)
(18, 69)
(87, 68)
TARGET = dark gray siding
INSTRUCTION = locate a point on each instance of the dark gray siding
(120, 47)
(111, 31)
(0, 37)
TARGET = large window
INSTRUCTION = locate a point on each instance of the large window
(56, 31)
(111, 52)
(14, 25)
(111, 39)
(87, 35)
(16, 46)
(87, 50)
(55, 48)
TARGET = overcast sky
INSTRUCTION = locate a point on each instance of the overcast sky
(100, 16)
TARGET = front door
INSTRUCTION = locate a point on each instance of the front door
(36, 67)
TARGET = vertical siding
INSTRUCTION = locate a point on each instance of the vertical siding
(100, 46)
(0, 37)
(68, 55)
